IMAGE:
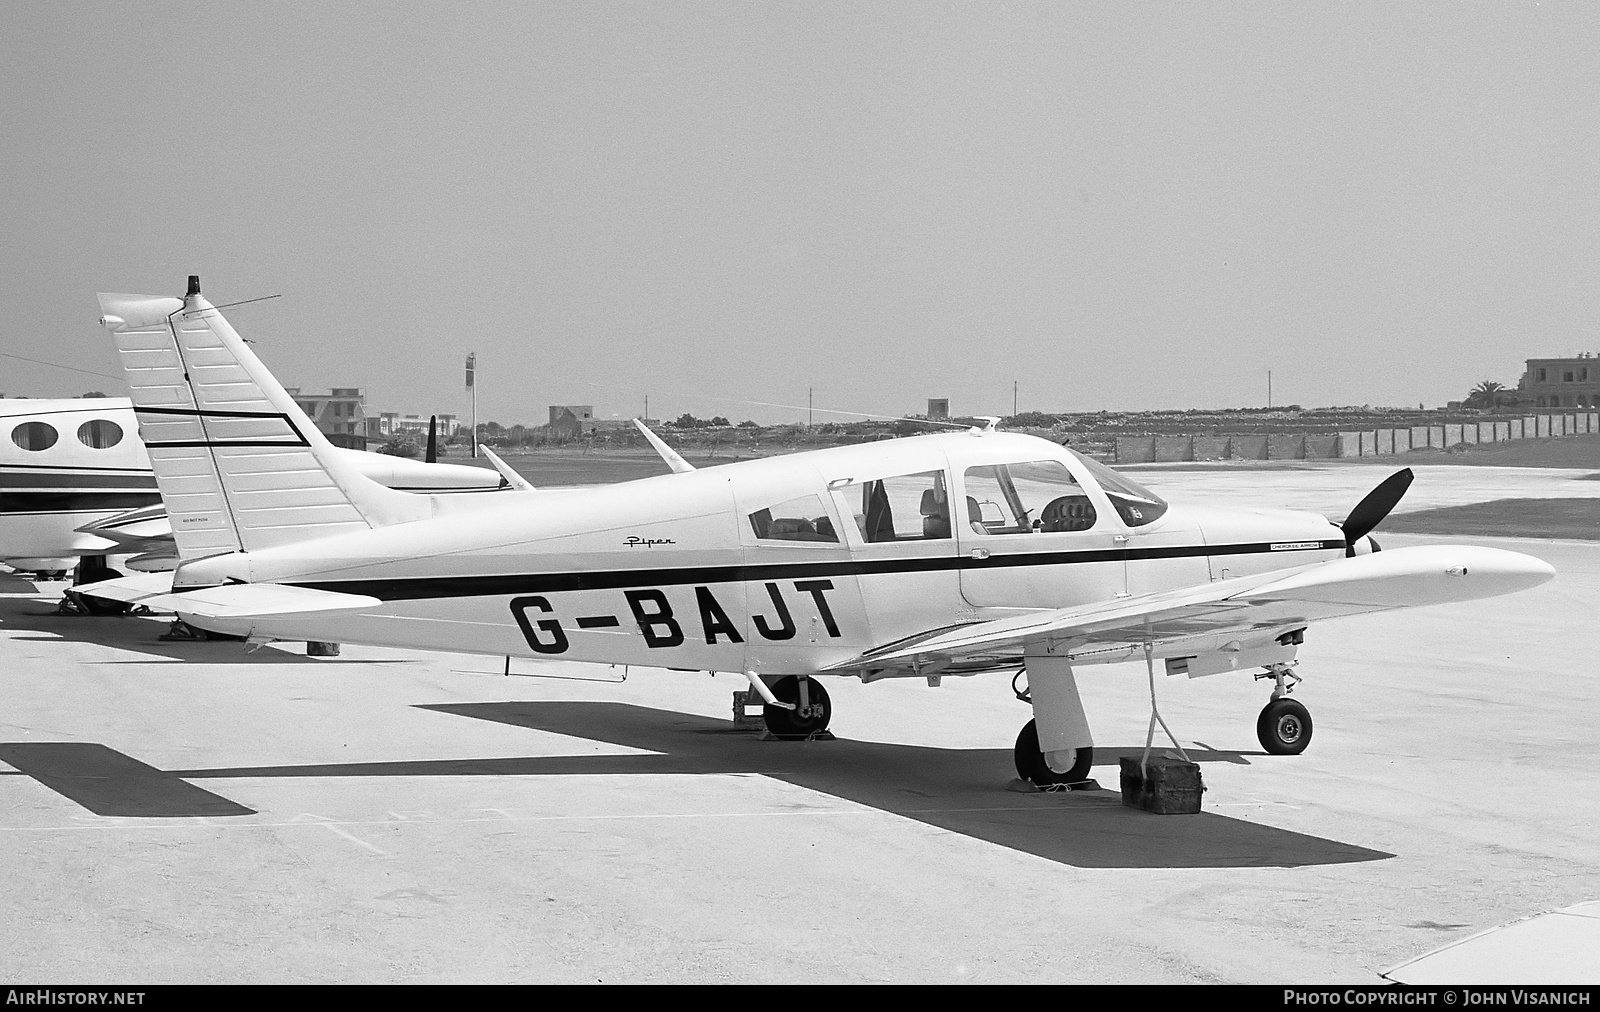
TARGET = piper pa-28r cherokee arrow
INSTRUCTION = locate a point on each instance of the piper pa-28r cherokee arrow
(921, 557)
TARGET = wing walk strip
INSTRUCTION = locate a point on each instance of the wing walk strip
(426, 588)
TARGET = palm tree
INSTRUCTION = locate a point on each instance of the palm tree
(1485, 396)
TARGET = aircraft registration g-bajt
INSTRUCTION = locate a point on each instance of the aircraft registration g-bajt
(921, 557)
(75, 480)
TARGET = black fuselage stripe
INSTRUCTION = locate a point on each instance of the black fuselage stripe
(172, 444)
(73, 467)
(13, 503)
(76, 482)
(434, 587)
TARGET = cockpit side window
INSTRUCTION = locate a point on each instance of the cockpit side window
(1134, 503)
(905, 507)
(1037, 496)
(800, 519)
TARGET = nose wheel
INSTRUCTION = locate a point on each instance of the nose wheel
(812, 708)
(1284, 727)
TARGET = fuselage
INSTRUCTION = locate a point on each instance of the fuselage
(778, 565)
(64, 464)
(68, 464)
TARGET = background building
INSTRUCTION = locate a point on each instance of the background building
(1562, 382)
(568, 421)
(388, 424)
(341, 414)
(938, 409)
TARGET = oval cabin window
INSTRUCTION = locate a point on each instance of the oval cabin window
(98, 434)
(34, 436)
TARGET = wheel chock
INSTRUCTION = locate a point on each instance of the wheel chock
(743, 719)
(1021, 786)
(767, 735)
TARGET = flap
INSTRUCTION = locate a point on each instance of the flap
(1399, 578)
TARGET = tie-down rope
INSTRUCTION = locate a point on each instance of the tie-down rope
(1155, 714)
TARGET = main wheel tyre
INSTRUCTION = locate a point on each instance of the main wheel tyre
(802, 721)
(1031, 765)
(1284, 727)
(102, 606)
(92, 570)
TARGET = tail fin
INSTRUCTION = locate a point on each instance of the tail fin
(240, 466)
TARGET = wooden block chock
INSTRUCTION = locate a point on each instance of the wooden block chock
(1165, 787)
(743, 719)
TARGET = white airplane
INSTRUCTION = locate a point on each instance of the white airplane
(920, 557)
(76, 481)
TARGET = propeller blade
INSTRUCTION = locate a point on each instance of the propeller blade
(1370, 511)
(432, 456)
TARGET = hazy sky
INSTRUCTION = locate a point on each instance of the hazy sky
(1118, 205)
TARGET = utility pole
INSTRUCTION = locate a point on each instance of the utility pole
(1269, 388)
(1013, 398)
(808, 409)
(647, 407)
(472, 368)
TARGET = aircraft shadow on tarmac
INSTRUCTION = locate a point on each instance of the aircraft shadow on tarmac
(138, 635)
(959, 790)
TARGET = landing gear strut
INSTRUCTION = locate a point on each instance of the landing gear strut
(812, 708)
(1031, 765)
(1284, 727)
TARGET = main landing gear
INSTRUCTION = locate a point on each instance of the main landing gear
(1031, 764)
(1284, 726)
(812, 708)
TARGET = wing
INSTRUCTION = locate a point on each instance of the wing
(1227, 614)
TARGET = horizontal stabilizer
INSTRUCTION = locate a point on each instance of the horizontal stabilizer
(232, 601)
(135, 589)
(261, 600)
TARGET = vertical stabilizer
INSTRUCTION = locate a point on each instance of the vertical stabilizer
(240, 466)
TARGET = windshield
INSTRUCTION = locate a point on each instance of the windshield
(1133, 502)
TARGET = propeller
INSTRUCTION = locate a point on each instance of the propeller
(432, 456)
(1370, 511)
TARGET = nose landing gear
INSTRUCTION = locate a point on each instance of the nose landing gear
(1284, 727)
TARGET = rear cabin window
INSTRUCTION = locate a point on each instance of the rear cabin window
(906, 507)
(802, 519)
(99, 434)
(1038, 496)
(34, 436)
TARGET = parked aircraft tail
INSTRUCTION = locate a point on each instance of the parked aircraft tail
(239, 465)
